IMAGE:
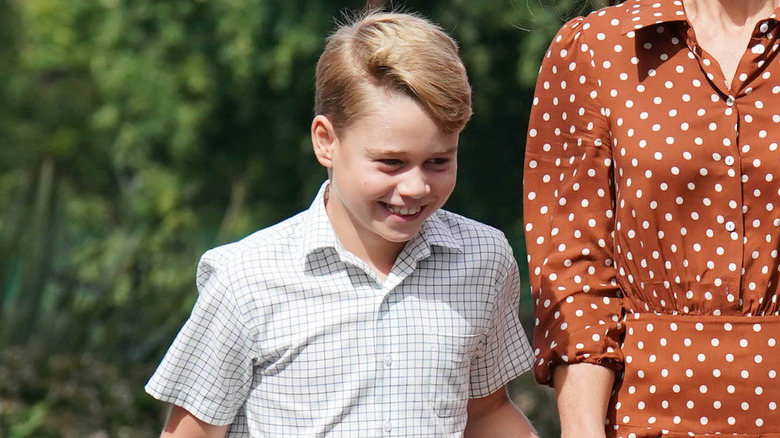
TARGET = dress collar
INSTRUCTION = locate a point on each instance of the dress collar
(643, 13)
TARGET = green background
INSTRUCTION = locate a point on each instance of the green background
(135, 134)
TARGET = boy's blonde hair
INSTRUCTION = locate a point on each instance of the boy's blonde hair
(398, 52)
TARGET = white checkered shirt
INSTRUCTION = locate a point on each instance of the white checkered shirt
(294, 336)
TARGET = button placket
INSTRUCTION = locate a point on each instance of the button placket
(383, 355)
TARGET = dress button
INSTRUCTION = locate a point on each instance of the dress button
(388, 360)
(731, 226)
(387, 426)
(730, 101)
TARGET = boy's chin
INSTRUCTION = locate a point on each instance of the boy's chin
(396, 235)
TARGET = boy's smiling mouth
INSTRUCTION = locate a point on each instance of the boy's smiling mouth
(402, 211)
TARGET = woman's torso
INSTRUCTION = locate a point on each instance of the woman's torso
(695, 171)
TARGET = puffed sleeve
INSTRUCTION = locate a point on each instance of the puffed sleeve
(569, 212)
(208, 369)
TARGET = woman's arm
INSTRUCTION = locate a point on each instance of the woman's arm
(569, 210)
(583, 392)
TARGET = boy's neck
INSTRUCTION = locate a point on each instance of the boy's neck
(381, 265)
(379, 254)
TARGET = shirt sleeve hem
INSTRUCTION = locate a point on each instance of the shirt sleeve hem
(492, 386)
(192, 406)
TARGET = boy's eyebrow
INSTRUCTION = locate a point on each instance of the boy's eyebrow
(446, 150)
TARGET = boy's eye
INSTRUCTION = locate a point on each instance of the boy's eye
(439, 161)
(390, 162)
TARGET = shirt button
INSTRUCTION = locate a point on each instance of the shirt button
(731, 226)
(729, 160)
(387, 426)
(388, 360)
(730, 101)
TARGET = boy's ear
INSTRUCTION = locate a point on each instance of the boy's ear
(323, 139)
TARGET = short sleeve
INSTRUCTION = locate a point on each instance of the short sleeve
(208, 369)
(569, 211)
(507, 352)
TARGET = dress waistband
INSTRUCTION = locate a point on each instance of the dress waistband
(699, 375)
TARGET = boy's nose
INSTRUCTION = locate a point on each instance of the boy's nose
(414, 184)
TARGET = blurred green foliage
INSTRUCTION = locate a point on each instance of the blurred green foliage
(136, 134)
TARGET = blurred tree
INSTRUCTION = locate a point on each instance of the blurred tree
(135, 134)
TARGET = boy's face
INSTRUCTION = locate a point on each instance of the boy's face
(390, 170)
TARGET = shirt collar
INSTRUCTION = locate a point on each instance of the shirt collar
(643, 13)
(435, 232)
(318, 232)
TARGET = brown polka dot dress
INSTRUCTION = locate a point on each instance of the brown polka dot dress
(652, 210)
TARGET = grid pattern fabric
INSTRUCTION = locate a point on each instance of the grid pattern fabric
(294, 336)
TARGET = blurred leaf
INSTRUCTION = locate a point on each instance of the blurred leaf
(30, 426)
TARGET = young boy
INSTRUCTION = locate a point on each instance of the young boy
(372, 313)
